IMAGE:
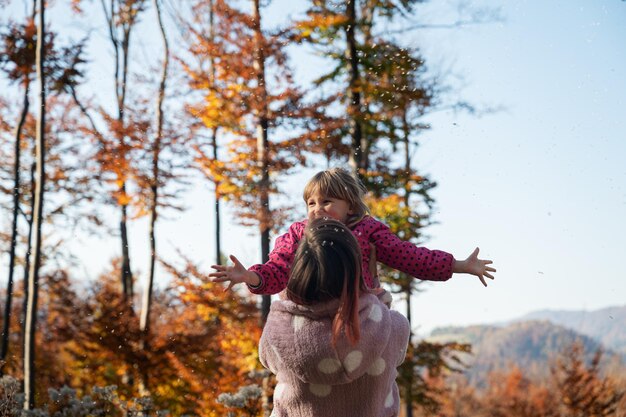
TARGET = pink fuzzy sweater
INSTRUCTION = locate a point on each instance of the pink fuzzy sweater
(316, 379)
(419, 262)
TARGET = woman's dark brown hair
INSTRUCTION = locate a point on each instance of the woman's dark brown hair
(327, 266)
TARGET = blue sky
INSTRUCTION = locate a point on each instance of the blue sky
(539, 186)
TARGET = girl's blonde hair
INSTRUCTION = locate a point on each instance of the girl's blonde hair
(341, 184)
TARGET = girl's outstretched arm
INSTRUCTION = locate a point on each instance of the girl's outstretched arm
(419, 262)
(274, 274)
(473, 265)
(235, 274)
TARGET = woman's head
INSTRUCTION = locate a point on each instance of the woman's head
(327, 266)
(335, 193)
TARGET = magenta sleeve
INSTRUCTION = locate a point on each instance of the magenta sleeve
(274, 273)
(419, 262)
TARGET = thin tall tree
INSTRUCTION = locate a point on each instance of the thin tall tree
(356, 159)
(25, 75)
(155, 180)
(206, 159)
(117, 144)
(33, 275)
(262, 143)
(121, 18)
(213, 139)
(125, 15)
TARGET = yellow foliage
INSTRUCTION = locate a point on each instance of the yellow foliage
(401, 219)
(123, 199)
(207, 312)
(384, 206)
(321, 22)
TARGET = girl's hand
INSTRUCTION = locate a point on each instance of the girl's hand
(235, 274)
(473, 265)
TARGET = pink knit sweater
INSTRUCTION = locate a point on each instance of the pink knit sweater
(315, 379)
(419, 262)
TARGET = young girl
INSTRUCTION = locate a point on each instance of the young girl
(337, 194)
(332, 344)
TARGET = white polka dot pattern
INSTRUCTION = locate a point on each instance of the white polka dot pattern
(389, 399)
(276, 353)
(298, 322)
(320, 390)
(279, 391)
(353, 360)
(377, 368)
(329, 365)
(376, 313)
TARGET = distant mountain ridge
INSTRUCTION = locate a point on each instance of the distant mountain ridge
(533, 341)
(607, 325)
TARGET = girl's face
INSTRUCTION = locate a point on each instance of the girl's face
(321, 206)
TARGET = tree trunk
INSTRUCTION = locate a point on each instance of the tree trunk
(29, 250)
(121, 73)
(262, 149)
(6, 319)
(147, 295)
(409, 287)
(127, 277)
(263, 165)
(356, 159)
(144, 323)
(33, 275)
(218, 246)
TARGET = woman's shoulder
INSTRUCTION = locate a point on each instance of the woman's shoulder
(318, 311)
(376, 308)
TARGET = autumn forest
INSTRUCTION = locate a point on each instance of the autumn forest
(223, 107)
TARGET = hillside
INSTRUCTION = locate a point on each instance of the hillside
(531, 345)
(608, 325)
